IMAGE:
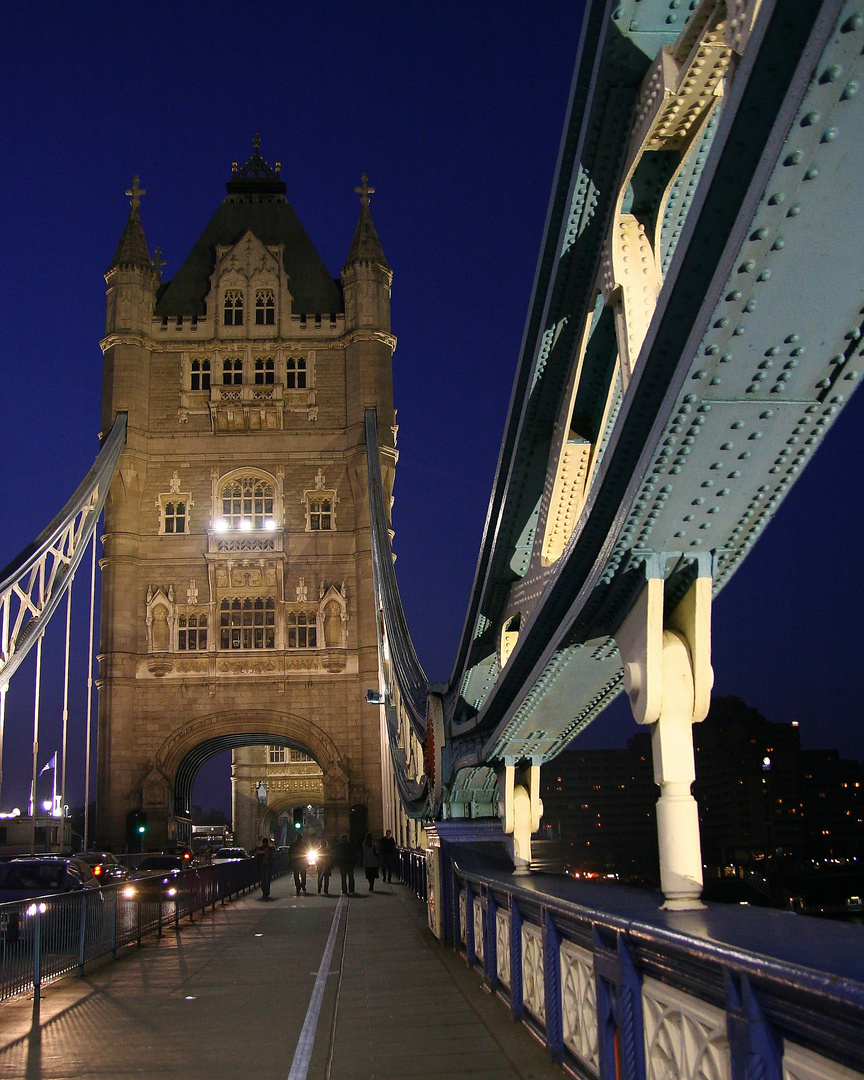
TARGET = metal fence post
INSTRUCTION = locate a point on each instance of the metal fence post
(552, 980)
(517, 1004)
(82, 937)
(753, 1046)
(490, 944)
(37, 955)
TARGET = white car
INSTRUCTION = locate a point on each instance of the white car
(230, 854)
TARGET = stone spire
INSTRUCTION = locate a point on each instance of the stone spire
(366, 247)
(132, 249)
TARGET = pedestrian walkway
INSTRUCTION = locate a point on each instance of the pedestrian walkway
(228, 997)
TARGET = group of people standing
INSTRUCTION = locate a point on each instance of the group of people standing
(376, 855)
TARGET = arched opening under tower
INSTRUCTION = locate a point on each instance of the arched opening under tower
(279, 762)
(276, 781)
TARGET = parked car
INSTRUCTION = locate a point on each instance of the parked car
(230, 854)
(106, 868)
(156, 879)
(46, 880)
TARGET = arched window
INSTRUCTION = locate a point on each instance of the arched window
(232, 372)
(302, 630)
(249, 623)
(265, 307)
(247, 503)
(233, 307)
(175, 517)
(265, 370)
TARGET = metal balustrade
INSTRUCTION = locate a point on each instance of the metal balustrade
(615, 986)
(44, 938)
(412, 870)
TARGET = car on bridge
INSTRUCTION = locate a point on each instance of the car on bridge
(107, 868)
(48, 881)
(157, 879)
(230, 854)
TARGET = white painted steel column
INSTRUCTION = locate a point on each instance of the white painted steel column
(668, 677)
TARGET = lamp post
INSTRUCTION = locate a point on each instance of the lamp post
(261, 792)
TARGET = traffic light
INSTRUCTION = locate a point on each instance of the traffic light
(298, 817)
(136, 829)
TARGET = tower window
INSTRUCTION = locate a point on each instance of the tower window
(295, 373)
(302, 630)
(192, 632)
(265, 371)
(247, 503)
(233, 308)
(247, 624)
(277, 755)
(320, 515)
(265, 307)
(200, 376)
(232, 372)
(175, 517)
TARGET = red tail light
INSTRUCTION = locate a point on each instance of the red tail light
(97, 870)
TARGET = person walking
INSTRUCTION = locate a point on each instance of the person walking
(345, 862)
(298, 859)
(264, 859)
(370, 861)
(387, 855)
(325, 865)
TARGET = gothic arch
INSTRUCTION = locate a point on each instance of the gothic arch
(221, 731)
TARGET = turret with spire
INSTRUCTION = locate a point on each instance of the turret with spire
(131, 278)
(132, 282)
(366, 280)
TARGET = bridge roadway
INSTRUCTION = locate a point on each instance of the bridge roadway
(228, 996)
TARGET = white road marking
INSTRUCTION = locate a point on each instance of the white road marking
(303, 1053)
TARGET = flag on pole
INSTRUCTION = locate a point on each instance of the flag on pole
(52, 764)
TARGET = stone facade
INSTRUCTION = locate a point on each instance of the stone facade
(237, 595)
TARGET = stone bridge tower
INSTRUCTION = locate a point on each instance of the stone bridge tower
(237, 597)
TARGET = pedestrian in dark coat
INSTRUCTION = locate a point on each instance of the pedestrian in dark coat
(298, 859)
(325, 865)
(370, 861)
(264, 859)
(387, 855)
(345, 862)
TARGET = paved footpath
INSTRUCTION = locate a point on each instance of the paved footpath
(229, 997)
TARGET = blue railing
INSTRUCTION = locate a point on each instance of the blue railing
(46, 937)
(412, 870)
(617, 987)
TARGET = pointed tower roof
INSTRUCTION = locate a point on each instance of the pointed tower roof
(366, 247)
(255, 202)
(132, 249)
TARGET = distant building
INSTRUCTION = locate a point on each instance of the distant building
(760, 797)
(601, 804)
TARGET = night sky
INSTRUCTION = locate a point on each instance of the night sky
(455, 112)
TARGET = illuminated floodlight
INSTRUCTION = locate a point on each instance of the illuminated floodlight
(36, 909)
(220, 525)
(46, 804)
(270, 524)
(16, 812)
(245, 525)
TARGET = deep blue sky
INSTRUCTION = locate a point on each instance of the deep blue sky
(455, 111)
